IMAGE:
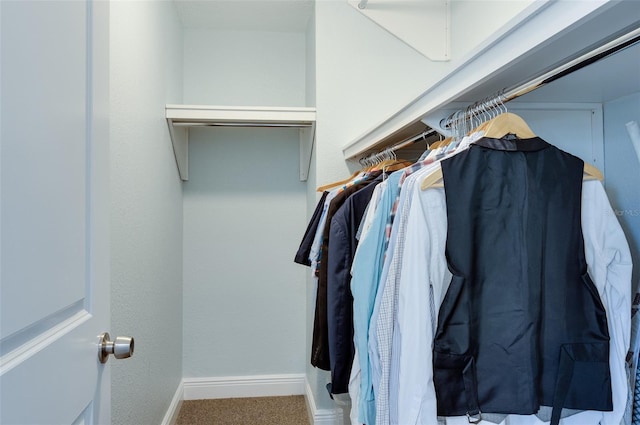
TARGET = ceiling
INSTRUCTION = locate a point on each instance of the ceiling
(245, 15)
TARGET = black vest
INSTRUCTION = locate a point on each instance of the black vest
(521, 325)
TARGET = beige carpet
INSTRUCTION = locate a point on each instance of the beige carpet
(290, 410)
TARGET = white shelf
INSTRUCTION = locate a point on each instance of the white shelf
(181, 117)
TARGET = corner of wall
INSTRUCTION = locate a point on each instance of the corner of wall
(310, 62)
(319, 414)
(146, 214)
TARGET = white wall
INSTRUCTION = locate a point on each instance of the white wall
(473, 21)
(310, 62)
(244, 210)
(316, 378)
(244, 68)
(244, 206)
(146, 221)
(623, 170)
(363, 75)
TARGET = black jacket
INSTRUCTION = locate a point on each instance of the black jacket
(342, 249)
(320, 337)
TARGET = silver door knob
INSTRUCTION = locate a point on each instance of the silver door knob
(121, 348)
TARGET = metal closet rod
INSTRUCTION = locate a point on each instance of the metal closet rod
(580, 62)
(407, 142)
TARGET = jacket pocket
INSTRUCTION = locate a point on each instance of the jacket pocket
(455, 382)
(588, 376)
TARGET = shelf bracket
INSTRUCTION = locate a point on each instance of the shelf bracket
(180, 142)
(425, 25)
(307, 141)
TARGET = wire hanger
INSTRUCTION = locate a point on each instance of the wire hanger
(505, 123)
(499, 124)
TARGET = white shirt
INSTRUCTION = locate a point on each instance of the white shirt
(424, 272)
(388, 334)
(383, 322)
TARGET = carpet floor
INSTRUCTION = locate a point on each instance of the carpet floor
(289, 410)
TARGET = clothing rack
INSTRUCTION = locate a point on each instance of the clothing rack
(375, 157)
(481, 107)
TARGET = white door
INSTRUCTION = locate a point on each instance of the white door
(54, 287)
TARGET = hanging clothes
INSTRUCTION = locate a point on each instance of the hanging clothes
(364, 285)
(632, 413)
(341, 247)
(304, 251)
(609, 264)
(320, 356)
(383, 334)
(521, 326)
(402, 305)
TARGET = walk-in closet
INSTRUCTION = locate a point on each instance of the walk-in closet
(164, 162)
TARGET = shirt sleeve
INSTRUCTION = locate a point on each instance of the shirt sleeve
(423, 274)
(610, 266)
(304, 251)
(339, 306)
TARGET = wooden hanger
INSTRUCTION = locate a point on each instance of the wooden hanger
(497, 128)
(435, 145)
(433, 180)
(391, 165)
(341, 182)
(506, 123)
(440, 143)
(592, 173)
(386, 165)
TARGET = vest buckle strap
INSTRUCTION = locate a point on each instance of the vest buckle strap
(476, 418)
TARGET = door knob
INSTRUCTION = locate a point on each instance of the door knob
(121, 348)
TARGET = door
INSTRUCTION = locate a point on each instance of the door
(54, 211)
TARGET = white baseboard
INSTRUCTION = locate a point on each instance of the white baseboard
(321, 416)
(251, 386)
(171, 416)
(243, 386)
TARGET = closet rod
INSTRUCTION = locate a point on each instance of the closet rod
(412, 140)
(580, 62)
(407, 142)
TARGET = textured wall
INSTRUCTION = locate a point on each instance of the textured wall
(244, 214)
(244, 210)
(146, 222)
(244, 68)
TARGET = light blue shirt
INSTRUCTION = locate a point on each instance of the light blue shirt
(366, 272)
